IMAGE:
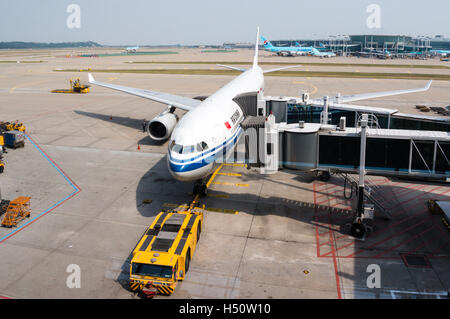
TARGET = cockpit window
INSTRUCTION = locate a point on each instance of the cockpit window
(177, 148)
(188, 149)
(202, 146)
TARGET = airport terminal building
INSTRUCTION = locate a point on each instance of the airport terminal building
(358, 43)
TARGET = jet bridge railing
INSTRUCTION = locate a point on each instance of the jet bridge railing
(422, 159)
(293, 110)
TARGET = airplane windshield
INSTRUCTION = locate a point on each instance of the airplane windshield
(187, 149)
(177, 148)
(202, 146)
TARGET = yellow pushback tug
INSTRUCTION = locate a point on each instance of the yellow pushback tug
(75, 87)
(163, 254)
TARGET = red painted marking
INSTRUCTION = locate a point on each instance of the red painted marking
(227, 125)
(36, 219)
(417, 248)
(340, 237)
(325, 243)
(375, 233)
(3, 297)
(326, 200)
(441, 194)
(336, 273)
(387, 238)
(410, 189)
(410, 200)
(404, 242)
(342, 247)
(37, 145)
(315, 217)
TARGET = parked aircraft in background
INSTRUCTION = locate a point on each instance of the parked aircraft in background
(323, 54)
(381, 54)
(132, 49)
(443, 53)
(296, 50)
(286, 51)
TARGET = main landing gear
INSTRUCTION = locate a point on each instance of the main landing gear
(200, 188)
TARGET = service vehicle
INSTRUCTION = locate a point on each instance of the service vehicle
(163, 254)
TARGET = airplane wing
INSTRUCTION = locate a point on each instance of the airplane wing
(231, 67)
(282, 68)
(366, 96)
(177, 101)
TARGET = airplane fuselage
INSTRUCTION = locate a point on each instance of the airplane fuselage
(205, 133)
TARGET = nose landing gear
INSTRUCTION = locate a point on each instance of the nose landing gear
(200, 188)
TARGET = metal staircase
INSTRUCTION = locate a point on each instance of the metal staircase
(370, 192)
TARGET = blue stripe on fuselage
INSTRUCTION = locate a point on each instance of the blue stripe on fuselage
(182, 166)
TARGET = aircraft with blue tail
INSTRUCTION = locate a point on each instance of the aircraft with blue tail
(295, 51)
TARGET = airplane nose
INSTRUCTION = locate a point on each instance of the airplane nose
(189, 172)
(181, 172)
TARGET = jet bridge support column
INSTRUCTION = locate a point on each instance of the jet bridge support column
(324, 114)
(362, 164)
(364, 213)
(271, 147)
(261, 104)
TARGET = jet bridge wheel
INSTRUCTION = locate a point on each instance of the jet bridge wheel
(357, 230)
(324, 176)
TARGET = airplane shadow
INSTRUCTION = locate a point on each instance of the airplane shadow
(167, 193)
(124, 121)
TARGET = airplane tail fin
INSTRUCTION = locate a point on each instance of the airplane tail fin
(266, 42)
(255, 58)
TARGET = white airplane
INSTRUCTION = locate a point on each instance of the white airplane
(210, 128)
(321, 54)
(132, 49)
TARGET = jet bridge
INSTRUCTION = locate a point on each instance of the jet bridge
(295, 109)
(327, 138)
(311, 146)
(327, 148)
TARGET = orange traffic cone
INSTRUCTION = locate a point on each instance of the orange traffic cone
(139, 147)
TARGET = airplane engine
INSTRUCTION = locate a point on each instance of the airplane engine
(160, 127)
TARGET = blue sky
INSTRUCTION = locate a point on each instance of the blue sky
(214, 22)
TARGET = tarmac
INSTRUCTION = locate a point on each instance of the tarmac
(88, 167)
